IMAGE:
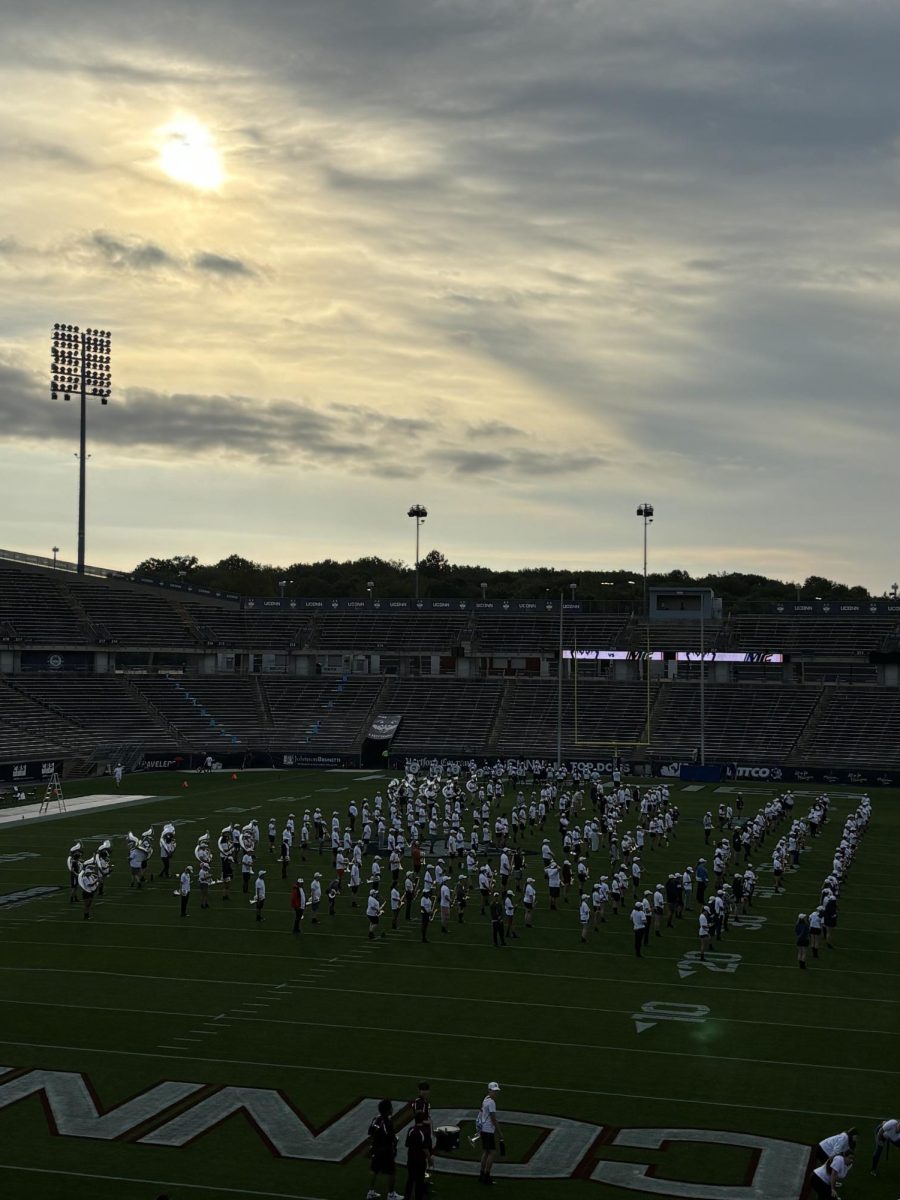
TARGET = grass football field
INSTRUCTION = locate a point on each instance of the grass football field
(608, 1057)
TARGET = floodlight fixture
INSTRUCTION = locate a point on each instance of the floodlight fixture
(418, 512)
(80, 366)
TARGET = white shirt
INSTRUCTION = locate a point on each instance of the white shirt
(260, 889)
(584, 913)
(373, 907)
(185, 883)
(838, 1165)
(836, 1144)
(638, 918)
(488, 1115)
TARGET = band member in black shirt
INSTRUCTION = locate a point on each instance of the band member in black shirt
(384, 1149)
(422, 1105)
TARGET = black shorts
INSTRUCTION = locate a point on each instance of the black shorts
(383, 1162)
(488, 1142)
(554, 892)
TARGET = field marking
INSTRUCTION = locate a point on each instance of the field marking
(670, 958)
(436, 1033)
(478, 1082)
(156, 1183)
(263, 1020)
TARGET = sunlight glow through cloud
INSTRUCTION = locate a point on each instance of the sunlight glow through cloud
(188, 154)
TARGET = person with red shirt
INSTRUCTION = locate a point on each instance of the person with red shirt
(417, 1154)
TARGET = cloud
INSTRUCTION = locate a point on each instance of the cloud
(130, 253)
(220, 264)
(193, 426)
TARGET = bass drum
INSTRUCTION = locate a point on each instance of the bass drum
(446, 1138)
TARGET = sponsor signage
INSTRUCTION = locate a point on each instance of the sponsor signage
(175, 1114)
(729, 656)
(839, 608)
(29, 772)
(614, 655)
(264, 604)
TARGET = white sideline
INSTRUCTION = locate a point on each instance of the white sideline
(78, 804)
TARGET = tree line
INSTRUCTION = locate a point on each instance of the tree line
(439, 578)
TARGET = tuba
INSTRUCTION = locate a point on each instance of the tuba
(225, 844)
(73, 862)
(146, 842)
(89, 877)
(131, 841)
(167, 840)
(248, 842)
(102, 858)
(201, 850)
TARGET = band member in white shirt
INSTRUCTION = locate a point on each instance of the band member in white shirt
(184, 890)
(488, 1126)
(830, 1176)
(584, 916)
(887, 1134)
(638, 923)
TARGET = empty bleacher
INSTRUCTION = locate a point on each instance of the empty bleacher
(104, 707)
(855, 727)
(131, 617)
(601, 716)
(29, 729)
(35, 607)
(750, 722)
(845, 636)
(338, 709)
(453, 714)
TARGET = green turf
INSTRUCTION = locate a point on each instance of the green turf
(787, 1054)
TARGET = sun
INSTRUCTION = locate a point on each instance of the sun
(188, 154)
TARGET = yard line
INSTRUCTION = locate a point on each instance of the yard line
(158, 1183)
(670, 958)
(219, 1024)
(581, 1045)
(522, 1087)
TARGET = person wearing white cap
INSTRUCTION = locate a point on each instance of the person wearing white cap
(488, 1126)
(315, 896)
(638, 924)
(584, 916)
(373, 912)
(259, 898)
(529, 898)
(184, 890)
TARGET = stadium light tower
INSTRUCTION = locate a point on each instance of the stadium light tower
(55, 552)
(645, 511)
(79, 365)
(418, 512)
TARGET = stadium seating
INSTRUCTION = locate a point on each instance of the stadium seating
(453, 714)
(105, 708)
(322, 714)
(608, 715)
(752, 722)
(34, 607)
(28, 729)
(855, 727)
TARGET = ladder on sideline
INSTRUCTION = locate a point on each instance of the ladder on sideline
(53, 795)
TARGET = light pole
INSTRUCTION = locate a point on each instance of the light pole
(55, 552)
(418, 512)
(370, 588)
(79, 364)
(645, 511)
(483, 587)
(282, 584)
(573, 588)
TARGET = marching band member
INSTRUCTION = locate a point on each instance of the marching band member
(103, 863)
(184, 889)
(204, 879)
(166, 850)
(395, 905)
(73, 863)
(89, 880)
(226, 860)
(259, 898)
(315, 896)
(298, 904)
(462, 897)
(427, 910)
(373, 913)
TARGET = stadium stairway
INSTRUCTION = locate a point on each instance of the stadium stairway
(150, 708)
(499, 721)
(809, 732)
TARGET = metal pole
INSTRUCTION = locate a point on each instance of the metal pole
(646, 610)
(417, 558)
(82, 461)
(559, 687)
(702, 691)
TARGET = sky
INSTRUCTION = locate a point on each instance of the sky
(529, 263)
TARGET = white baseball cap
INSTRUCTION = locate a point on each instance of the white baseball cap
(494, 1087)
